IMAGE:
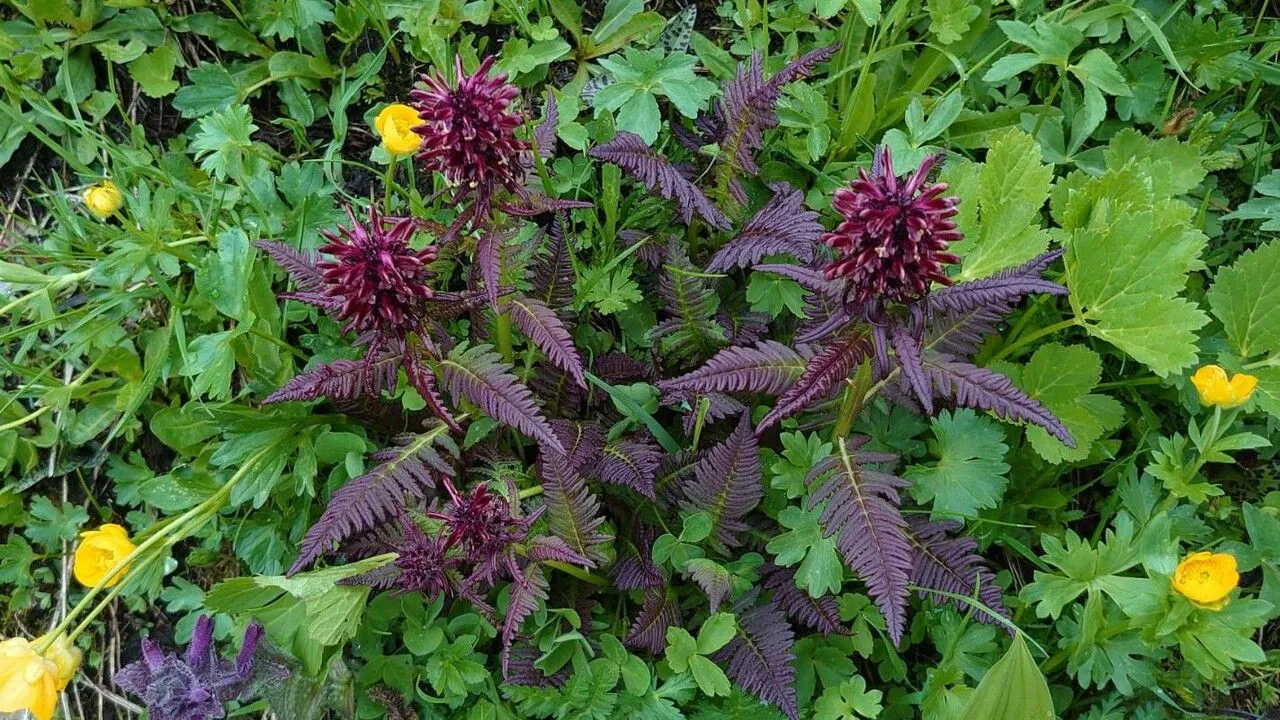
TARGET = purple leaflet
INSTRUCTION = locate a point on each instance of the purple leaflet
(821, 614)
(629, 152)
(573, 513)
(674, 473)
(862, 512)
(950, 564)
(543, 327)
(527, 591)
(1000, 291)
(783, 225)
(551, 273)
(528, 203)
(649, 631)
(583, 444)
(616, 368)
(712, 578)
(728, 483)
(907, 349)
(300, 264)
(983, 389)
(478, 374)
(544, 136)
(489, 259)
(403, 474)
(759, 658)
(631, 464)
(812, 279)
(748, 106)
(339, 380)
(768, 367)
(825, 371)
(636, 570)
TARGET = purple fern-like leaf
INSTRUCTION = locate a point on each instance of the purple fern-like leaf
(528, 590)
(541, 325)
(983, 389)
(583, 444)
(478, 374)
(532, 204)
(403, 474)
(300, 264)
(649, 631)
(811, 279)
(783, 225)
(825, 371)
(907, 349)
(821, 614)
(573, 513)
(629, 152)
(760, 657)
(339, 380)
(674, 473)
(636, 570)
(551, 273)
(728, 483)
(860, 508)
(768, 367)
(631, 464)
(489, 260)
(712, 578)
(951, 564)
(544, 136)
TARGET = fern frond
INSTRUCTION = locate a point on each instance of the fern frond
(544, 328)
(649, 631)
(783, 225)
(573, 513)
(527, 590)
(907, 350)
(629, 152)
(300, 264)
(768, 367)
(821, 614)
(478, 374)
(951, 564)
(403, 474)
(631, 464)
(551, 273)
(825, 371)
(728, 483)
(760, 657)
(983, 389)
(339, 380)
(861, 511)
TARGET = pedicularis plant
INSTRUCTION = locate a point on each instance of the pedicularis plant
(798, 359)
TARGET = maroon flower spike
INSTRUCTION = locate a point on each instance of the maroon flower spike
(469, 131)
(895, 234)
(480, 524)
(381, 281)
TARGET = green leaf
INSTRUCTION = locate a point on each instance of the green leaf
(772, 294)
(224, 278)
(1245, 297)
(1264, 536)
(710, 678)
(1083, 568)
(154, 71)
(681, 647)
(716, 632)
(1171, 167)
(821, 571)
(949, 19)
(847, 701)
(1096, 68)
(1266, 207)
(800, 453)
(210, 87)
(1062, 378)
(970, 473)
(1001, 214)
(1125, 273)
(16, 557)
(51, 525)
(1013, 689)
(222, 140)
(616, 14)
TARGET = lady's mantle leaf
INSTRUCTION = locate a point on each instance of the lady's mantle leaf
(970, 473)
(1246, 298)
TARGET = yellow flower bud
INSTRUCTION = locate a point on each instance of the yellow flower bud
(104, 200)
(63, 654)
(31, 681)
(395, 125)
(1215, 389)
(98, 552)
(1206, 578)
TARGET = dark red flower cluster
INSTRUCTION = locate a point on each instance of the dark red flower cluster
(468, 131)
(380, 280)
(895, 233)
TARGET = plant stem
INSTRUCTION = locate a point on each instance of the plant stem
(577, 572)
(1029, 338)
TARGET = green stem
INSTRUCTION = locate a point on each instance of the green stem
(527, 493)
(1029, 338)
(388, 181)
(577, 572)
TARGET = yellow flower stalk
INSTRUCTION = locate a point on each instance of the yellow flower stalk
(98, 552)
(1206, 578)
(1216, 389)
(31, 677)
(104, 199)
(395, 126)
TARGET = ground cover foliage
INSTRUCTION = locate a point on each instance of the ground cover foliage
(497, 359)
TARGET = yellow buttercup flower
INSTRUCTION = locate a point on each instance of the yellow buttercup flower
(104, 200)
(395, 125)
(99, 551)
(30, 680)
(1206, 578)
(1215, 389)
